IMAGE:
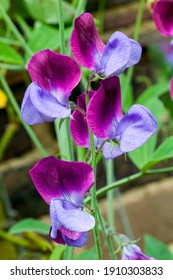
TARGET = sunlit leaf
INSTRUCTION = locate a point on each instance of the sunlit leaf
(10, 55)
(163, 152)
(47, 11)
(5, 5)
(30, 225)
(156, 249)
(155, 90)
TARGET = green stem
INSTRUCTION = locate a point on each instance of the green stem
(123, 215)
(117, 184)
(80, 7)
(94, 204)
(15, 31)
(106, 236)
(129, 179)
(81, 152)
(24, 26)
(16, 107)
(61, 27)
(136, 37)
(110, 195)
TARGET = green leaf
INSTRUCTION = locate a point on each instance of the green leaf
(5, 4)
(89, 254)
(47, 11)
(156, 249)
(10, 55)
(155, 90)
(45, 37)
(163, 152)
(30, 225)
(57, 252)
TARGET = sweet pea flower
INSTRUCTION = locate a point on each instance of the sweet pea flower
(88, 49)
(133, 252)
(63, 185)
(53, 78)
(162, 16)
(106, 120)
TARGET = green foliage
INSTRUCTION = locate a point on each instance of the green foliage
(57, 252)
(47, 11)
(45, 37)
(30, 225)
(153, 91)
(5, 4)
(156, 249)
(163, 152)
(89, 254)
(10, 55)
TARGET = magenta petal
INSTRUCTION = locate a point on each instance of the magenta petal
(54, 178)
(135, 128)
(70, 234)
(86, 45)
(104, 109)
(47, 104)
(116, 55)
(73, 219)
(56, 73)
(80, 242)
(162, 16)
(171, 88)
(78, 123)
(109, 153)
(29, 113)
(59, 238)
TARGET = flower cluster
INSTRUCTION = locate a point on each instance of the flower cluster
(63, 184)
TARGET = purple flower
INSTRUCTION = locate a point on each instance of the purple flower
(63, 185)
(88, 49)
(133, 252)
(53, 78)
(106, 121)
(162, 16)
